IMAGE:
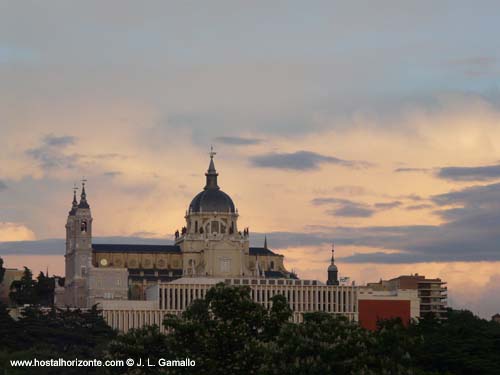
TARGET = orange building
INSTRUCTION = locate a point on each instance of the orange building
(374, 306)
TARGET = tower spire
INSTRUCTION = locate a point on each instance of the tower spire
(333, 252)
(83, 196)
(74, 204)
(211, 172)
(265, 241)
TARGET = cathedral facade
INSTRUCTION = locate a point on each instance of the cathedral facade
(210, 245)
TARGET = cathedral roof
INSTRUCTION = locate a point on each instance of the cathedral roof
(278, 275)
(128, 248)
(212, 199)
(260, 251)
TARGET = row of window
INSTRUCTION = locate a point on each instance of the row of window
(214, 226)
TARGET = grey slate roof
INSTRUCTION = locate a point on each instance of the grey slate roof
(127, 248)
(261, 251)
(130, 248)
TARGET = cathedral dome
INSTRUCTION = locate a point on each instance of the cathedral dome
(212, 199)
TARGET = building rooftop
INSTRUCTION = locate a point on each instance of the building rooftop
(128, 248)
(261, 251)
(131, 248)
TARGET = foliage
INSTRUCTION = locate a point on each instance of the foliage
(227, 333)
(461, 344)
(145, 343)
(27, 291)
(23, 291)
(2, 270)
(325, 344)
(53, 333)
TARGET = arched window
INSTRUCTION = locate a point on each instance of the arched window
(83, 226)
(215, 226)
(196, 226)
(272, 265)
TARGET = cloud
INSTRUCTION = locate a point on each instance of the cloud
(399, 170)
(15, 232)
(238, 141)
(3, 185)
(349, 208)
(65, 140)
(345, 207)
(413, 197)
(468, 234)
(50, 154)
(302, 161)
(352, 210)
(472, 196)
(418, 207)
(481, 173)
(387, 205)
(112, 173)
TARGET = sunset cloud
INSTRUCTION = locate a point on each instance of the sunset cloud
(301, 160)
(15, 232)
(481, 173)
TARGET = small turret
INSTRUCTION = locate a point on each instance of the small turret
(333, 271)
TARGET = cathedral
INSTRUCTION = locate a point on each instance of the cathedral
(136, 285)
(209, 245)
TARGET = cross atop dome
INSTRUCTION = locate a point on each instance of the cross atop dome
(211, 173)
(212, 153)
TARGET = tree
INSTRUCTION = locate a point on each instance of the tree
(2, 270)
(143, 343)
(23, 291)
(327, 344)
(56, 333)
(8, 329)
(32, 292)
(44, 290)
(226, 332)
(461, 344)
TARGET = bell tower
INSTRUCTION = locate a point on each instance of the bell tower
(78, 256)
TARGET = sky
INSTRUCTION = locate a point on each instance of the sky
(377, 127)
